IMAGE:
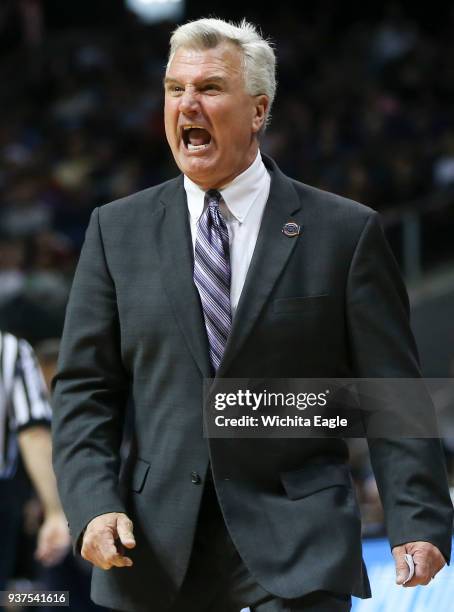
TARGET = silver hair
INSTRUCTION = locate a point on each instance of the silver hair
(259, 60)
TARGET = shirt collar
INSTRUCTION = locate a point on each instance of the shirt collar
(239, 195)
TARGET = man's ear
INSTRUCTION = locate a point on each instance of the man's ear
(260, 108)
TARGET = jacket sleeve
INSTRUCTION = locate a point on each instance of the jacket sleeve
(410, 473)
(90, 391)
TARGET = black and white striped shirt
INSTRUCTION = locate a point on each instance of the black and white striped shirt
(23, 398)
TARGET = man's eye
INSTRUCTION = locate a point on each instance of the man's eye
(211, 87)
(174, 89)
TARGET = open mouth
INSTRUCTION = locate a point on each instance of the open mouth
(195, 138)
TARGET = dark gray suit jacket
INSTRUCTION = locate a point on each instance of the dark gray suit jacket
(328, 303)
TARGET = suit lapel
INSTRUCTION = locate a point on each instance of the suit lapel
(173, 240)
(271, 253)
(273, 248)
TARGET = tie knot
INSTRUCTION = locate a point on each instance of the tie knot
(212, 198)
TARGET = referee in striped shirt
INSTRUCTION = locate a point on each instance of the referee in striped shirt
(25, 439)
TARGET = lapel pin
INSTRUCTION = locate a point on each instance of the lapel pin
(291, 229)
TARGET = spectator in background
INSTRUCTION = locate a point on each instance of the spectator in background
(25, 433)
(47, 354)
(12, 278)
(73, 574)
(35, 273)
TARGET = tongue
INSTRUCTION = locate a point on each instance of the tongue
(198, 136)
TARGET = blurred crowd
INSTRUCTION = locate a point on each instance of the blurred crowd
(365, 111)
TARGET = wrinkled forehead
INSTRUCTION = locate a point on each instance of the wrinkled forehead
(226, 60)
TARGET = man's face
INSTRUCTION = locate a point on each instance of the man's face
(206, 89)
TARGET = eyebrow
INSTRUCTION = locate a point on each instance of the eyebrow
(212, 79)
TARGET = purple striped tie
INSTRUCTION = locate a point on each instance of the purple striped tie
(212, 275)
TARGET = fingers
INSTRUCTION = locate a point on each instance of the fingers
(53, 540)
(109, 556)
(51, 556)
(124, 530)
(401, 564)
(49, 552)
(99, 544)
(427, 559)
(423, 575)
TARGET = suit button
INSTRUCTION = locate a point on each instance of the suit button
(195, 478)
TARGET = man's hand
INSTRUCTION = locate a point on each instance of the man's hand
(427, 558)
(104, 539)
(54, 540)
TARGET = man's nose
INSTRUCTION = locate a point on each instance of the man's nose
(188, 102)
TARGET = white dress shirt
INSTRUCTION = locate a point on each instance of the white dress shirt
(242, 205)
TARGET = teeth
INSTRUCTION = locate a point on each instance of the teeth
(192, 147)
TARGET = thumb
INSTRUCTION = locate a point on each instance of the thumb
(401, 565)
(124, 530)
